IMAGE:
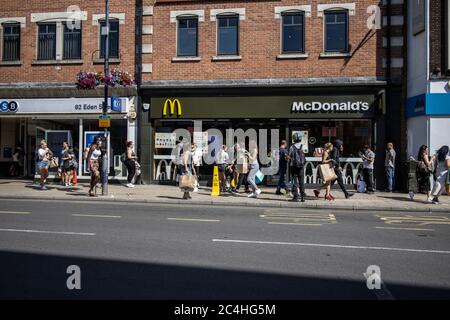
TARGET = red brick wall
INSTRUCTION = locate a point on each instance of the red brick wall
(90, 39)
(260, 44)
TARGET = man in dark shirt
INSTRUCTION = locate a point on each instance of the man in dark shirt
(335, 155)
(283, 168)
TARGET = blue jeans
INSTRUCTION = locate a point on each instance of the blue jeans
(282, 181)
(390, 174)
(251, 176)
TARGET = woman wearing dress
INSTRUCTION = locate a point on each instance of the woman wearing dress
(424, 176)
(93, 160)
(326, 160)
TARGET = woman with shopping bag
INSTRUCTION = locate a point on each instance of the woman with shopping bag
(254, 168)
(188, 180)
(326, 172)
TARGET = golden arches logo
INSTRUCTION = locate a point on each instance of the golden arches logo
(172, 104)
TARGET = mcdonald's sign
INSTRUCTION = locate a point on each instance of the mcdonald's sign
(172, 104)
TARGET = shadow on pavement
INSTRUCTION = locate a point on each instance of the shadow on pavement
(40, 276)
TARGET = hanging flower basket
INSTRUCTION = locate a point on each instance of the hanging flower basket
(116, 78)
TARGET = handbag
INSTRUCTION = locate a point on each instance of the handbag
(259, 177)
(327, 172)
(361, 186)
(53, 163)
(188, 182)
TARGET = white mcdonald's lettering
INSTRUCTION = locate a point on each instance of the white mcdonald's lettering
(315, 106)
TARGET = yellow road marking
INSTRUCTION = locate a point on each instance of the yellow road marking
(419, 221)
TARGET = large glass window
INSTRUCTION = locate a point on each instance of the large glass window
(228, 35)
(113, 39)
(11, 42)
(187, 37)
(47, 41)
(72, 42)
(336, 31)
(293, 32)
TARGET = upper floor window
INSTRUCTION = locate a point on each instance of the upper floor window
(11, 42)
(293, 32)
(72, 42)
(187, 37)
(113, 39)
(47, 41)
(228, 35)
(336, 31)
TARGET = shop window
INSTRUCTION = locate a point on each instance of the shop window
(228, 35)
(336, 31)
(47, 41)
(293, 32)
(187, 37)
(113, 39)
(11, 42)
(72, 42)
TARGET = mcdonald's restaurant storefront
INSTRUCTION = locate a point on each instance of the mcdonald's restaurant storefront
(320, 118)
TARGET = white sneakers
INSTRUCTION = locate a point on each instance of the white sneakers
(258, 192)
(196, 189)
(130, 185)
(255, 194)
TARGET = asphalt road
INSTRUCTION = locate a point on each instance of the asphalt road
(200, 252)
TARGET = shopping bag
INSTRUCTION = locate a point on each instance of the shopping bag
(242, 168)
(259, 177)
(187, 182)
(327, 173)
(361, 186)
(53, 163)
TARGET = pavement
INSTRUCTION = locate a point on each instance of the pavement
(167, 251)
(166, 194)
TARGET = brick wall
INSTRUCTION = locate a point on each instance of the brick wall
(260, 44)
(28, 72)
(437, 26)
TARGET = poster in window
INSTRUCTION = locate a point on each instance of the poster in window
(418, 22)
(201, 140)
(304, 142)
(164, 140)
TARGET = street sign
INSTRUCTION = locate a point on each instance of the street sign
(116, 104)
(104, 121)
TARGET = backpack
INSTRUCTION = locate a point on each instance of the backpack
(298, 157)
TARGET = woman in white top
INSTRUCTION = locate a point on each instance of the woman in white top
(254, 167)
(222, 161)
(94, 163)
(45, 154)
(197, 155)
(443, 164)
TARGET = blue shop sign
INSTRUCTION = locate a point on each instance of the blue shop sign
(428, 104)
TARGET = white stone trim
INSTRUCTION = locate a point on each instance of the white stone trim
(147, 29)
(147, 10)
(147, 48)
(147, 68)
(58, 16)
(175, 14)
(351, 7)
(305, 8)
(118, 16)
(21, 20)
(238, 11)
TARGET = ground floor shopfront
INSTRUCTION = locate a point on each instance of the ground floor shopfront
(75, 120)
(210, 119)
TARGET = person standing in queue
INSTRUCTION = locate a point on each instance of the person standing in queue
(188, 168)
(283, 163)
(368, 157)
(222, 162)
(62, 163)
(130, 163)
(93, 160)
(44, 156)
(197, 155)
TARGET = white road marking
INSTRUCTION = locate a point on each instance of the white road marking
(198, 220)
(95, 216)
(15, 212)
(331, 246)
(296, 224)
(411, 229)
(51, 232)
(383, 293)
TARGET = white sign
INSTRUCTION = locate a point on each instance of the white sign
(70, 105)
(165, 140)
(201, 140)
(304, 142)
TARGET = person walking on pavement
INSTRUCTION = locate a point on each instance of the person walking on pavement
(254, 167)
(297, 163)
(368, 157)
(283, 163)
(93, 160)
(222, 161)
(179, 158)
(389, 165)
(197, 155)
(130, 163)
(187, 168)
(242, 168)
(44, 154)
(423, 173)
(338, 148)
(326, 160)
(441, 172)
